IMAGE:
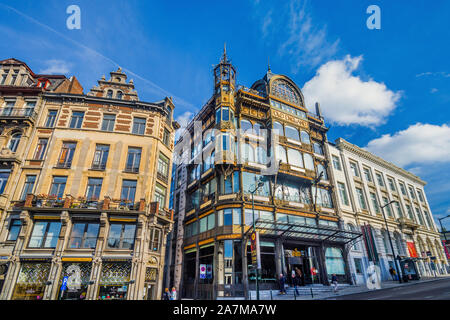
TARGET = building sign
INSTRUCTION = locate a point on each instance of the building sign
(203, 271)
(369, 242)
(256, 256)
(412, 249)
(446, 250)
(209, 271)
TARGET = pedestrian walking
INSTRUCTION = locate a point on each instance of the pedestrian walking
(282, 281)
(173, 295)
(334, 281)
(294, 281)
(166, 295)
(394, 273)
(299, 276)
(391, 271)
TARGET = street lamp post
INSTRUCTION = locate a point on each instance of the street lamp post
(442, 229)
(258, 185)
(390, 241)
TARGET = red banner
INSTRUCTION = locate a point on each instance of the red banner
(412, 249)
(446, 248)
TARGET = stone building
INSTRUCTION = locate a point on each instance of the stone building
(365, 183)
(254, 156)
(85, 210)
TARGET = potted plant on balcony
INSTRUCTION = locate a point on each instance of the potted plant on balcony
(92, 203)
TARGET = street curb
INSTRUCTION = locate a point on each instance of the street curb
(378, 290)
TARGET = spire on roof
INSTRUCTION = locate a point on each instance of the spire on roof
(224, 58)
(268, 65)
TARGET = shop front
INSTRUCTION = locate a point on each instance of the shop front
(3, 271)
(114, 280)
(32, 281)
(74, 280)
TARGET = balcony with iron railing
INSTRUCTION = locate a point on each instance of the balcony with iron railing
(17, 113)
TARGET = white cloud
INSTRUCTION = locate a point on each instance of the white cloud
(434, 90)
(307, 43)
(347, 99)
(183, 120)
(419, 144)
(56, 66)
(435, 74)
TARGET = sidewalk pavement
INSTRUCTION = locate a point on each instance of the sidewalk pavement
(354, 289)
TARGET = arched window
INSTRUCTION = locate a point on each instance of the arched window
(246, 126)
(281, 154)
(321, 168)
(309, 162)
(14, 141)
(257, 128)
(305, 137)
(248, 153)
(284, 90)
(295, 158)
(318, 148)
(119, 95)
(292, 133)
(261, 156)
(278, 128)
(109, 94)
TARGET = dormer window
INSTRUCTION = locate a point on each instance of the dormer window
(119, 95)
(43, 83)
(118, 79)
(14, 77)
(109, 94)
(4, 76)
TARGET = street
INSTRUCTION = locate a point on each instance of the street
(432, 290)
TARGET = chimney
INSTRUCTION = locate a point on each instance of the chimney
(318, 113)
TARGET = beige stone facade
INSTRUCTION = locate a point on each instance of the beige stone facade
(89, 194)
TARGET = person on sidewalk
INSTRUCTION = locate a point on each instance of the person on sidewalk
(173, 295)
(299, 276)
(166, 295)
(391, 271)
(282, 281)
(295, 281)
(334, 282)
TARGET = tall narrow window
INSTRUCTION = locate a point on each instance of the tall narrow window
(160, 195)
(309, 162)
(343, 194)
(108, 122)
(295, 158)
(66, 156)
(391, 184)
(291, 133)
(411, 192)
(40, 149)
(380, 179)
(388, 208)
(4, 76)
(93, 188)
(8, 110)
(278, 128)
(166, 137)
(163, 165)
(367, 174)
(119, 95)
(58, 186)
(51, 118)
(4, 175)
(399, 209)
(77, 119)
(375, 204)
(14, 77)
(128, 192)
(402, 188)
(29, 108)
(354, 169)
(155, 240)
(109, 94)
(139, 126)
(305, 137)
(133, 160)
(321, 169)
(14, 141)
(336, 163)
(100, 157)
(14, 229)
(28, 186)
(318, 148)
(361, 198)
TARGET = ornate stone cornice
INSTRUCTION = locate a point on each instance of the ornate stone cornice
(342, 144)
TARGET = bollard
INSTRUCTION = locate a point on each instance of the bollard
(271, 297)
(312, 294)
(295, 295)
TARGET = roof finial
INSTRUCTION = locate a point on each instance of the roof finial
(224, 52)
(268, 65)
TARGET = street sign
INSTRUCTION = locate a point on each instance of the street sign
(254, 245)
(203, 271)
(64, 283)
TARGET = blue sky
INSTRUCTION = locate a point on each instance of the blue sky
(387, 90)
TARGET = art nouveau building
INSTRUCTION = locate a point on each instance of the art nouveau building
(258, 141)
(364, 183)
(87, 203)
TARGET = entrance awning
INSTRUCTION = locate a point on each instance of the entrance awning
(304, 232)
